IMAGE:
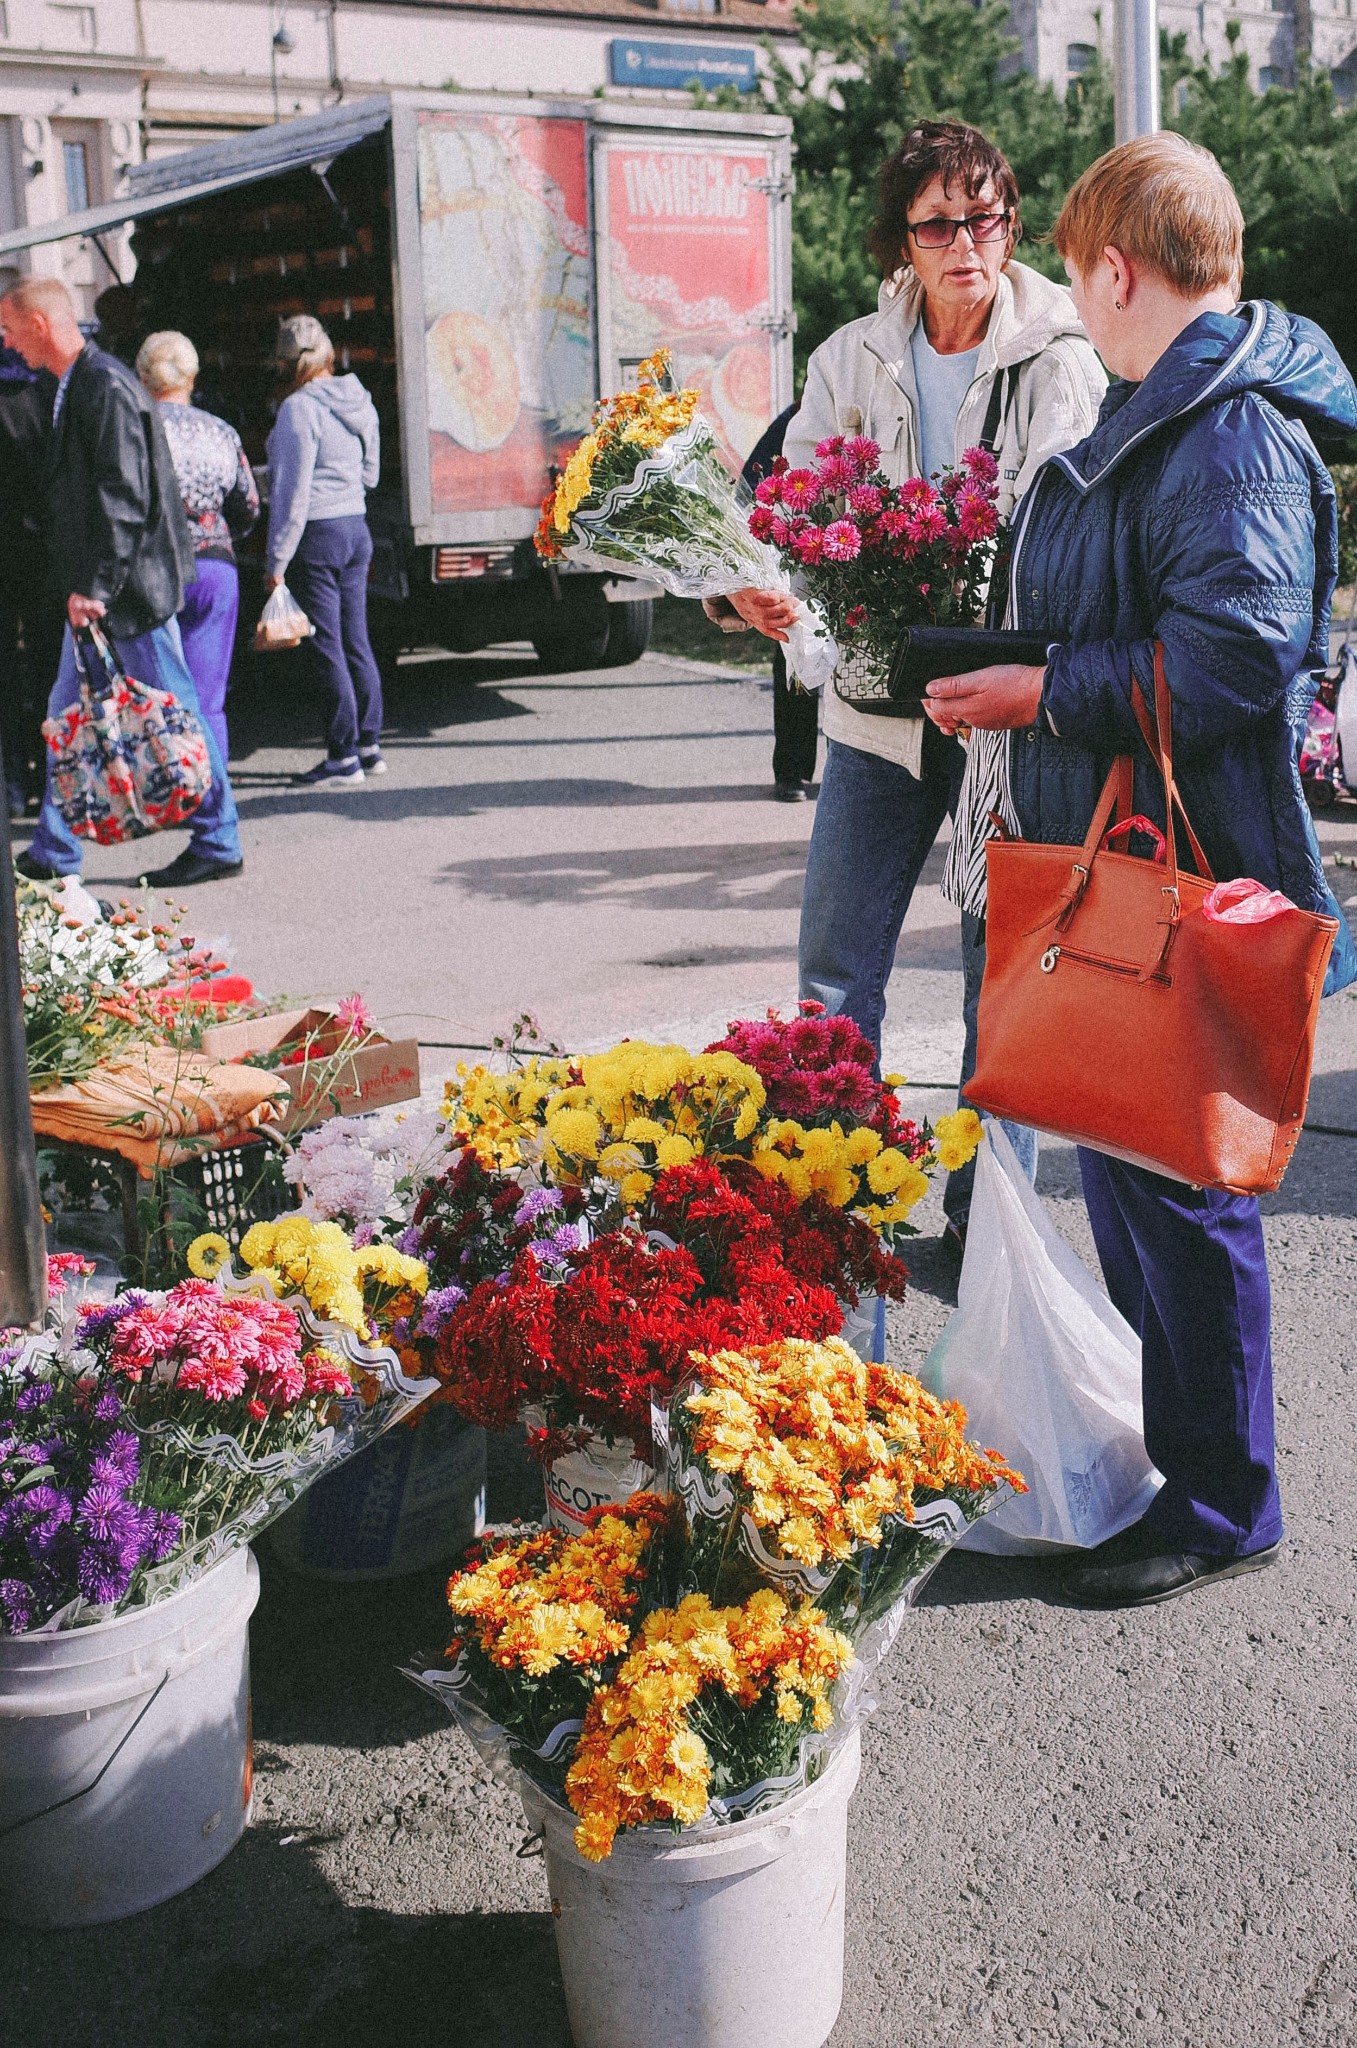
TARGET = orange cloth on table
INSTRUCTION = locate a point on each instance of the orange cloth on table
(158, 1107)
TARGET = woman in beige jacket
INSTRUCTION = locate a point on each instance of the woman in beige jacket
(966, 345)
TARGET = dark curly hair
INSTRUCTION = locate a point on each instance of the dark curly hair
(949, 150)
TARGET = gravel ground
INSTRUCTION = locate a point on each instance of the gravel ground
(1070, 1828)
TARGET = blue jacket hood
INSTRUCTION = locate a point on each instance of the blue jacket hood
(1259, 348)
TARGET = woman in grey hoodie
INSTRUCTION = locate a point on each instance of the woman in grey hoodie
(324, 455)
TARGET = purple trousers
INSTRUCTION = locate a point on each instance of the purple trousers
(1187, 1269)
(207, 626)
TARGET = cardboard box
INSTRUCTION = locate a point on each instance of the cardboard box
(378, 1074)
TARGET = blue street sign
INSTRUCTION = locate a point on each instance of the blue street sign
(670, 67)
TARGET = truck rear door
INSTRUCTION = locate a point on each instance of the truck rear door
(496, 318)
(693, 216)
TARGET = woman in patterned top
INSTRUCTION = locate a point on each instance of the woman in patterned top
(222, 503)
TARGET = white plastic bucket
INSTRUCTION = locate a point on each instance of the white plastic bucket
(729, 1939)
(125, 1767)
(600, 1474)
(414, 1498)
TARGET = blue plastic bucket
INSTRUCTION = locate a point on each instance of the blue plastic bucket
(413, 1499)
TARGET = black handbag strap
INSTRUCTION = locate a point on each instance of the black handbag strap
(98, 660)
(1001, 397)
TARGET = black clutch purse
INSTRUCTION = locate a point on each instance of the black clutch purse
(924, 653)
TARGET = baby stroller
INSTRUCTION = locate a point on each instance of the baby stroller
(1328, 754)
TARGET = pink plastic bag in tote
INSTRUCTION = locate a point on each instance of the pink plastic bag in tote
(126, 759)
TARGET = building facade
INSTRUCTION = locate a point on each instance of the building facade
(89, 86)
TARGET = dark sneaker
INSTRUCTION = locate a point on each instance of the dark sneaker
(36, 870)
(331, 775)
(370, 761)
(189, 868)
(1131, 1571)
(791, 792)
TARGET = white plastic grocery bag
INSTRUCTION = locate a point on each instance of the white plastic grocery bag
(1047, 1369)
(282, 622)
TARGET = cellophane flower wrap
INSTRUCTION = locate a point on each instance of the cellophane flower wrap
(647, 490)
(694, 1658)
(143, 1439)
(804, 1468)
(581, 1661)
(873, 556)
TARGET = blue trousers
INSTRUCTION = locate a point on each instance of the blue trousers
(155, 658)
(1187, 1269)
(328, 576)
(956, 1198)
(875, 824)
(207, 626)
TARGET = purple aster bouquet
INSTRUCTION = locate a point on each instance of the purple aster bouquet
(77, 1523)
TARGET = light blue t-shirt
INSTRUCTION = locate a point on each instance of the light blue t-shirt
(942, 383)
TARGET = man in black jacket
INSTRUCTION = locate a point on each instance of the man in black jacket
(31, 619)
(120, 554)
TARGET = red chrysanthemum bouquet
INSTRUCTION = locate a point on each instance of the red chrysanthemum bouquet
(876, 557)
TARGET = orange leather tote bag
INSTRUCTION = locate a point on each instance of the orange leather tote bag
(1114, 1013)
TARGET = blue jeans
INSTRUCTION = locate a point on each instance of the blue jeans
(157, 659)
(328, 576)
(956, 1199)
(1187, 1269)
(875, 824)
(207, 626)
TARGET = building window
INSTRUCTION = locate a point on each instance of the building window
(77, 166)
(1270, 75)
(1079, 58)
(73, 27)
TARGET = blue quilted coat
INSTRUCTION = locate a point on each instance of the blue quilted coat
(1198, 512)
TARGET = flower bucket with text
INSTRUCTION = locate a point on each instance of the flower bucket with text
(413, 1499)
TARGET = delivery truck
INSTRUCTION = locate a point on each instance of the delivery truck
(488, 266)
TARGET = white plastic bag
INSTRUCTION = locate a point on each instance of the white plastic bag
(1047, 1369)
(282, 623)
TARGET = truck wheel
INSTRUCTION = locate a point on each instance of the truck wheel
(628, 632)
(583, 645)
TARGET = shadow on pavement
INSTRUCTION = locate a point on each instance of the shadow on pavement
(758, 877)
(379, 803)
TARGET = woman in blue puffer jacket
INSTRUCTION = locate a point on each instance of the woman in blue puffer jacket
(1197, 513)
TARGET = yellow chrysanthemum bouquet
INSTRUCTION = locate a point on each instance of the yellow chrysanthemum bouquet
(648, 490)
(802, 1467)
(796, 1098)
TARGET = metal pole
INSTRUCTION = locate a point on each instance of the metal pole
(23, 1248)
(1137, 68)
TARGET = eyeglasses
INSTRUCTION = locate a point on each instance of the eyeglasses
(941, 232)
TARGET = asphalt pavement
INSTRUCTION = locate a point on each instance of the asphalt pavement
(1071, 1827)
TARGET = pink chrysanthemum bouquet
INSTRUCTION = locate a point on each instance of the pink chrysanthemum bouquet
(876, 557)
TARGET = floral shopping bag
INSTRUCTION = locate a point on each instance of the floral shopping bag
(126, 759)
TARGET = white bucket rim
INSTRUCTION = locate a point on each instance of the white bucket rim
(45, 1699)
(656, 1846)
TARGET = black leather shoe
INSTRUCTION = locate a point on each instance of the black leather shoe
(1124, 1573)
(190, 867)
(34, 870)
(791, 792)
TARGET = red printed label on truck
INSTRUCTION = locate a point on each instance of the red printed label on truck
(689, 254)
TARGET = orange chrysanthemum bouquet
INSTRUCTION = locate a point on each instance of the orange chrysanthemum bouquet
(692, 1658)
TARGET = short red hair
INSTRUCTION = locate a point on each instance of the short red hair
(1164, 202)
